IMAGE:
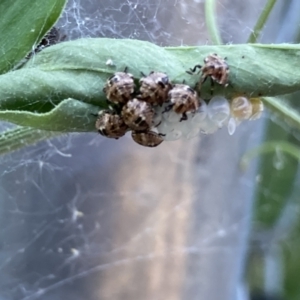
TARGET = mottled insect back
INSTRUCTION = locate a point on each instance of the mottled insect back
(183, 100)
(217, 68)
(119, 88)
(138, 115)
(110, 125)
(154, 88)
(147, 139)
(155, 112)
(214, 67)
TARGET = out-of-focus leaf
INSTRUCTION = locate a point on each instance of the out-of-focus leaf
(276, 179)
(292, 263)
(23, 23)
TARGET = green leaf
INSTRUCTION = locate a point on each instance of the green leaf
(23, 23)
(276, 174)
(70, 115)
(79, 69)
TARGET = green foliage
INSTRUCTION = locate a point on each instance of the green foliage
(60, 90)
(269, 205)
(78, 69)
(23, 23)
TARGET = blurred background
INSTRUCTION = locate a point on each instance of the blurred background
(84, 217)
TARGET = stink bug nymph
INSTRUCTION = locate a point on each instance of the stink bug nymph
(110, 125)
(214, 67)
(147, 138)
(119, 88)
(138, 115)
(183, 100)
(154, 88)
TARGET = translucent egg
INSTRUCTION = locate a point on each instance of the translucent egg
(231, 126)
(192, 133)
(173, 135)
(257, 108)
(164, 127)
(218, 110)
(175, 131)
(189, 129)
(172, 116)
(207, 119)
(208, 126)
(241, 108)
(201, 113)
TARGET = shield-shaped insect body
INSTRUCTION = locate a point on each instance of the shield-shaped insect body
(110, 125)
(147, 138)
(183, 99)
(154, 88)
(138, 115)
(119, 88)
(215, 68)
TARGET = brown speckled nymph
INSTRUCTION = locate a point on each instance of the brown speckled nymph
(183, 100)
(154, 88)
(110, 125)
(147, 139)
(138, 115)
(119, 88)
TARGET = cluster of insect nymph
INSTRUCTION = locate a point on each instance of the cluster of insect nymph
(160, 110)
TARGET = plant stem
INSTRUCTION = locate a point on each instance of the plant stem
(261, 21)
(211, 22)
(288, 114)
(19, 137)
(269, 147)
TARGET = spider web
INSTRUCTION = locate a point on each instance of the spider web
(83, 217)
